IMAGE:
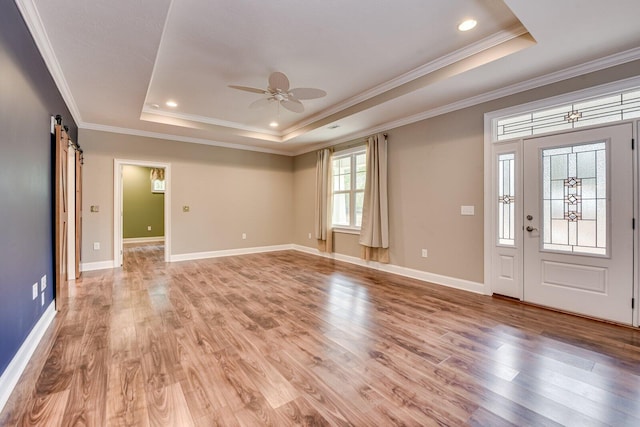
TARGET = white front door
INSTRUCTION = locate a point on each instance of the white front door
(578, 213)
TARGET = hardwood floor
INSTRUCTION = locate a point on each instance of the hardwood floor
(287, 338)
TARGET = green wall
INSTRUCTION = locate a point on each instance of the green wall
(141, 208)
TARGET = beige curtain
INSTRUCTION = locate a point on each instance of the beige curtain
(324, 234)
(374, 233)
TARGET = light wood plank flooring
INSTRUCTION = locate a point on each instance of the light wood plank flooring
(287, 338)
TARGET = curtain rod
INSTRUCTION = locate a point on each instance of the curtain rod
(353, 143)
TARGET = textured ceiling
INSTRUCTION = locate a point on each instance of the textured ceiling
(380, 62)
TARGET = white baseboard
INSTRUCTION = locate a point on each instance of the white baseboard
(229, 252)
(100, 265)
(16, 367)
(424, 276)
(143, 239)
(451, 282)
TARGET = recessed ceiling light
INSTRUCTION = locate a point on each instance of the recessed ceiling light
(273, 124)
(171, 104)
(467, 25)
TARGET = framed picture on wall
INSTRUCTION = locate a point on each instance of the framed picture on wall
(157, 185)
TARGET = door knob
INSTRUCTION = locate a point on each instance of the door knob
(530, 228)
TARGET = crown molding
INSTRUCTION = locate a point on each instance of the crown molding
(36, 27)
(211, 121)
(34, 23)
(578, 70)
(446, 60)
(568, 73)
(177, 138)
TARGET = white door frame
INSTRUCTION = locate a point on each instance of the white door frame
(117, 206)
(491, 148)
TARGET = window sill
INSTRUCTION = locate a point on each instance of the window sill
(346, 230)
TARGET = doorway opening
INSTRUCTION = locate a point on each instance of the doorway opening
(141, 210)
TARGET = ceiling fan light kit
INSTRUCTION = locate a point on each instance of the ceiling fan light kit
(279, 91)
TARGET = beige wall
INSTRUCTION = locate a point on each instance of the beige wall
(304, 193)
(229, 192)
(435, 166)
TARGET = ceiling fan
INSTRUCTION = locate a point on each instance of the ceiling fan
(278, 90)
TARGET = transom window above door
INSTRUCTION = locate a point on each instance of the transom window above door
(608, 108)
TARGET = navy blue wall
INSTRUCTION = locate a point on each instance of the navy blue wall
(28, 97)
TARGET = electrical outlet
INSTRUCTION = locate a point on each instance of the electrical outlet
(309, 235)
(148, 228)
(43, 282)
(41, 299)
(34, 291)
(424, 253)
(96, 246)
(244, 236)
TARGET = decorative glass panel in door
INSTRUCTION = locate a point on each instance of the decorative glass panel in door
(506, 199)
(574, 212)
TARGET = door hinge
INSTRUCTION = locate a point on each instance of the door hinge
(633, 224)
(633, 144)
(633, 303)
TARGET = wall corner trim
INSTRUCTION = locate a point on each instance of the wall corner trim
(437, 279)
(100, 265)
(16, 367)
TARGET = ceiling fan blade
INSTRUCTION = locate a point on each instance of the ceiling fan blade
(277, 81)
(249, 89)
(307, 93)
(293, 104)
(262, 102)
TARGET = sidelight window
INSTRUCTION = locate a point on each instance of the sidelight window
(506, 199)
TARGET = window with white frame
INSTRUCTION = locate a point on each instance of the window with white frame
(348, 176)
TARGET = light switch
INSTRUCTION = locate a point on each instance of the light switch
(96, 246)
(467, 210)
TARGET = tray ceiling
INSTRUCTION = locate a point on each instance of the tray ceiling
(118, 63)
